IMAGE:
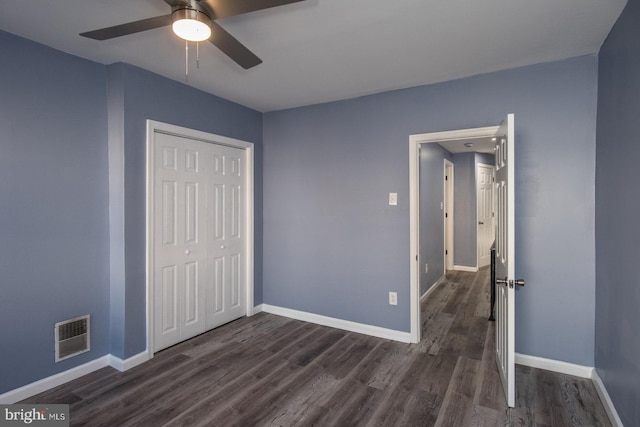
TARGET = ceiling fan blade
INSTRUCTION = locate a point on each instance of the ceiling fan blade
(225, 8)
(128, 28)
(185, 3)
(232, 47)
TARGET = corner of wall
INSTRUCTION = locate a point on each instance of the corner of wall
(115, 120)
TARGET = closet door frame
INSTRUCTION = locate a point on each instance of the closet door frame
(154, 127)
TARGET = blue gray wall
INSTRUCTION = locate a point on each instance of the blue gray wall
(72, 185)
(464, 210)
(333, 246)
(617, 329)
(54, 247)
(149, 96)
(432, 158)
(485, 158)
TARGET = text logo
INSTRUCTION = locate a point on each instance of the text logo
(34, 415)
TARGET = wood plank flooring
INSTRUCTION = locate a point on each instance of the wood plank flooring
(272, 371)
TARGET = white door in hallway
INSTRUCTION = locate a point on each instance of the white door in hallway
(448, 214)
(505, 257)
(199, 228)
(484, 209)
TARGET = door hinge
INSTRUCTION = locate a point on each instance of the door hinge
(416, 257)
(446, 178)
(446, 252)
(446, 214)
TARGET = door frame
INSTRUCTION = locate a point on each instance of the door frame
(449, 229)
(160, 127)
(414, 209)
(477, 173)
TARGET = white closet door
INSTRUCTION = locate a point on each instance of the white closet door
(180, 251)
(200, 244)
(227, 227)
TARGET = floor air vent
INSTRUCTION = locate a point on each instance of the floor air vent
(72, 337)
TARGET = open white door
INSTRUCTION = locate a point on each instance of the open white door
(505, 258)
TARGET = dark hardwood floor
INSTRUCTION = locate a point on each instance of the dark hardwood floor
(272, 371)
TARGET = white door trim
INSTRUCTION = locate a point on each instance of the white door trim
(159, 127)
(414, 206)
(448, 220)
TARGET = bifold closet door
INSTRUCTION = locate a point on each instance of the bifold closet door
(199, 243)
(227, 224)
(181, 272)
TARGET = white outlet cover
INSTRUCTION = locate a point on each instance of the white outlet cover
(393, 199)
(393, 298)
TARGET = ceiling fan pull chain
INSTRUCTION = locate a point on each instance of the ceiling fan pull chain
(197, 46)
(186, 61)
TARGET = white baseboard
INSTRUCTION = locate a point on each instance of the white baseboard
(606, 400)
(48, 383)
(433, 287)
(578, 371)
(133, 361)
(346, 325)
(60, 378)
(465, 268)
(554, 365)
(258, 309)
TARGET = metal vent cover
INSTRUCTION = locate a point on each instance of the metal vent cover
(72, 337)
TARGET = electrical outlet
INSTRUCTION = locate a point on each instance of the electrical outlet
(426, 267)
(393, 298)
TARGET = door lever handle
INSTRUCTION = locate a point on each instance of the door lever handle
(480, 222)
(510, 283)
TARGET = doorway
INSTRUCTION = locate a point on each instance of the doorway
(199, 232)
(415, 142)
(501, 138)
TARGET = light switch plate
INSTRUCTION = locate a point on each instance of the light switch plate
(393, 199)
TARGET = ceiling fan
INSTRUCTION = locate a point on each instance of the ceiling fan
(194, 20)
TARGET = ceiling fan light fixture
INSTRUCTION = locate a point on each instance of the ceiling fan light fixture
(191, 25)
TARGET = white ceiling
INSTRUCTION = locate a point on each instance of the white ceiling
(471, 145)
(324, 50)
